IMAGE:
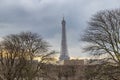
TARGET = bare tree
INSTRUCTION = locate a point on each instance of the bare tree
(17, 54)
(103, 34)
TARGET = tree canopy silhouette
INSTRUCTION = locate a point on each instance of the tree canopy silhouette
(103, 34)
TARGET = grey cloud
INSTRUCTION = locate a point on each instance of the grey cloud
(44, 17)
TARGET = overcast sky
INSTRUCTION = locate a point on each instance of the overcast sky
(44, 17)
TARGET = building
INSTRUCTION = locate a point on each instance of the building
(64, 51)
(74, 62)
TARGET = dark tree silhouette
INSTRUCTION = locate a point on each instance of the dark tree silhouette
(17, 53)
(103, 34)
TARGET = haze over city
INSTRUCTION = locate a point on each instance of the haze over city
(44, 17)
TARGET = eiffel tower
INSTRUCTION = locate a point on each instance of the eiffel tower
(64, 51)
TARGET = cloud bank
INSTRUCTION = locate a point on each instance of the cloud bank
(44, 17)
